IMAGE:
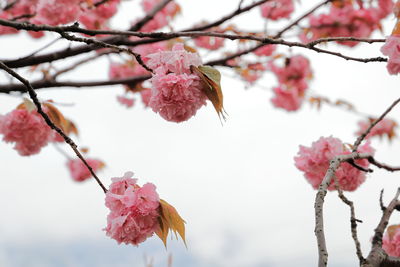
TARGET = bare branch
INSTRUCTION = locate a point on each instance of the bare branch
(131, 81)
(319, 202)
(67, 139)
(384, 166)
(90, 41)
(353, 220)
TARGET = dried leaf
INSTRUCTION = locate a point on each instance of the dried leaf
(56, 117)
(170, 221)
(211, 78)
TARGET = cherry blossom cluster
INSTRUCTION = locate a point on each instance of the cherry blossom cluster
(277, 9)
(78, 170)
(134, 210)
(293, 80)
(385, 127)
(347, 19)
(391, 241)
(176, 92)
(27, 129)
(314, 162)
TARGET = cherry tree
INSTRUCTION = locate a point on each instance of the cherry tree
(175, 73)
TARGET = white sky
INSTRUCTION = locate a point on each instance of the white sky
(236, 186)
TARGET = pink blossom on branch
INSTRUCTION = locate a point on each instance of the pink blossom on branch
(391, 48)
(289, 99)
(209, 42)
(295, 73)
(384, 128)
(78, 170)
(134, 210)
(27, 129)
(125, 101)
(265, 50)
(176, 93)
(54, 12)
(277, 9)
(314, 162)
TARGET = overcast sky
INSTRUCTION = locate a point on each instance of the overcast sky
(244, 202)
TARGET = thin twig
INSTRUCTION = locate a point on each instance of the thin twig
(131, 81)
(366, 132)
(384, 166)
(91, 41)
(67, 139)
(353, 220)
(383, 208)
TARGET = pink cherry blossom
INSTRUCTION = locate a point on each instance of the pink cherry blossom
(176, 93)
(277, 9)
(134, 210)
(345, 21)
(27, 129)
(162, 18)
(392, 50)
(146, 96)
(265, 50)
(314, 162)
(295, 73)
(97, 17)
(79, 171)
(209, 42)
(126, 70)
(178, 60)
(123, 100)
(384, 128)
(170, 10)
(289, 99)
(391, 241)
(54, 12)
(176, 97)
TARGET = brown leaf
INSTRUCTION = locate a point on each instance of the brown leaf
(170, 220)
(211, 79)
(56, 116)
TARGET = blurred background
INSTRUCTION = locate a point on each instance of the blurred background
(245, 203)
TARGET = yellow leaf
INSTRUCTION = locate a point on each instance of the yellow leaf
(170, 220)
(211, 79)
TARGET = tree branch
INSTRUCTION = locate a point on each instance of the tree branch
(131, 81)
(69, 52)
(377, 256)
(319, 202)
(67, 139)
(353, 220)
